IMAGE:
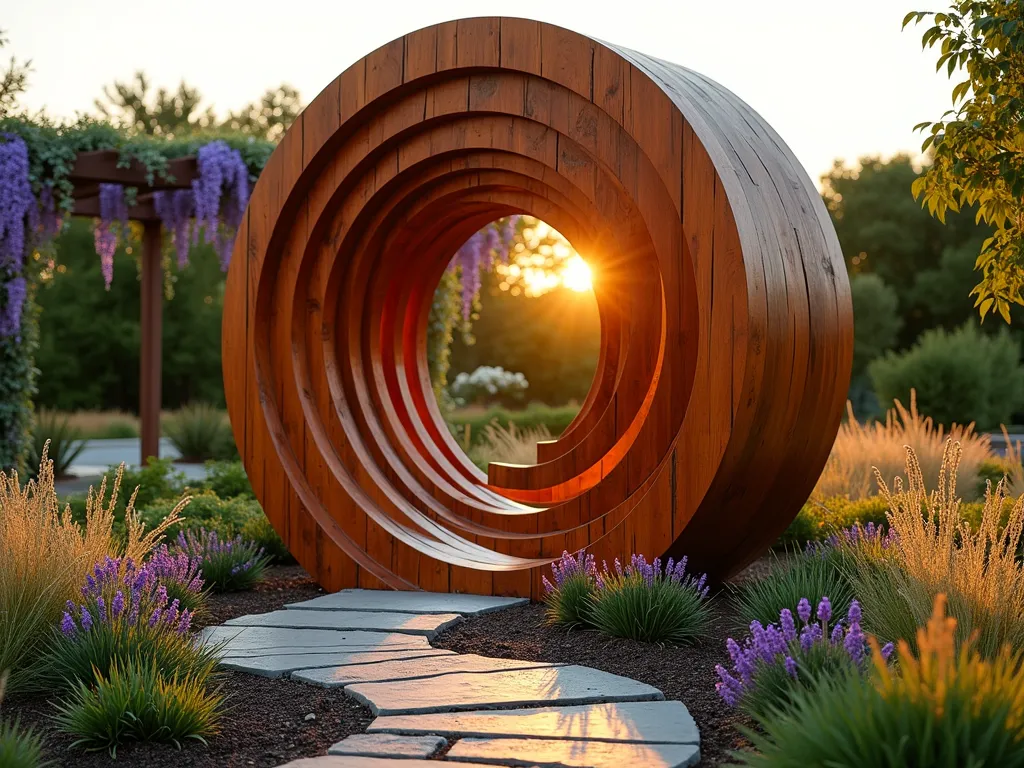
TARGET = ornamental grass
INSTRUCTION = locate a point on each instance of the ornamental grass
(945, 705)
(508, 445)
(44, 556)
(862, 452)
(939, 552)
(137, 701)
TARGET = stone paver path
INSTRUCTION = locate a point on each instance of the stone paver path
(375, 645)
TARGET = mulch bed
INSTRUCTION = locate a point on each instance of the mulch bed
(266, 726)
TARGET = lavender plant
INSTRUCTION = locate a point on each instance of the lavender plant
(777, 660)
(568, 599)
(228, 566)
(125, 614)
(181, 576)
(645, 602)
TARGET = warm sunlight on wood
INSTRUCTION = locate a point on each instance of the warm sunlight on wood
(576, 275)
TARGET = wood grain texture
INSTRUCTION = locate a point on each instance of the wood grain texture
(726, 323)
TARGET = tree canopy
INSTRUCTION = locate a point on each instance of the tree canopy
(978, 146)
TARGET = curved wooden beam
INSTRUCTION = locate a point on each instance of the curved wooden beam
(725, 310)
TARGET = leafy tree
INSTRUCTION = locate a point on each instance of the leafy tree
(876, 322)
(167, 114)
(13, 81)
(269, 117)
(882, 231)
(978, 146)
(178, 113)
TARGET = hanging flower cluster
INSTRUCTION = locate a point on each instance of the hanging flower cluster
(493, 242)
(113, 209)
(215, 204)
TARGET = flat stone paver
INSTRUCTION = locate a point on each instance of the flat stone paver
(240, 640)
(388, 745)
(283, 664)
(374, 621)
(665, 722)
(520, 688)
(564, 752)
(407, 602)
(409, 669)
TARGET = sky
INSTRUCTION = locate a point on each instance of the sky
(835, 79)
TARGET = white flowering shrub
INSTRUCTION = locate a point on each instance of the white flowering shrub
(488, 384)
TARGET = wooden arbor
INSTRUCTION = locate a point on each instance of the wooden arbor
(726, 315)
(89, 171)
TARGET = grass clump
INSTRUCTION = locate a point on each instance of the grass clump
(508, 445)
(65, 442)
(643, 602)
(939, 552)
(44, 555)
(861, 448)
(137, 701)
(200, 432)
(940, 706)
(817, 572)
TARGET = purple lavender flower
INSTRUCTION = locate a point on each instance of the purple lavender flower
(788, 625)
(117, 605)
(853, 615)
(824, 610)
(790, 664)
(887, 650)
(67, 625)
(86, 619)
(803, 610)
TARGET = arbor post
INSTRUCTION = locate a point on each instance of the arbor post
(152, 308)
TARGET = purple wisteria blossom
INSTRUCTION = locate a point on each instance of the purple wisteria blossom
(113, 207)
(221, 172)
(771, 645)
(493, 242)
(16, 202)
(10, 316)
(175, 210)
(118, 592)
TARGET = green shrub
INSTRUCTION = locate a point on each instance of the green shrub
(138, 701)
(644, 603)
(568, 600)
(66, 442)
(18, 748)
(944, 708)
(200, 432)
(960, 377)
(821, 572)
(816, 521)
(227, 479)
(259, 530)
(554, 418)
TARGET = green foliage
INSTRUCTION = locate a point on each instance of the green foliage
(876, 319)
(817, 521)
(17, 387)
(977, 148)
(444, 317)
(961, 377)
(258, 530)
(662, 611)
(66, 443)
(200, 432)
(554, 418)
(823, 572)
(139, 701)
(569, 604)
(227, 479)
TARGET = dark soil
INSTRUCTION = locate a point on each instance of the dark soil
(265, 722)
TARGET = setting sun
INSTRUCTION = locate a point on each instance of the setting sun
(576, 275)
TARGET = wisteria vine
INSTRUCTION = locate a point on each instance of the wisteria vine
(493, 243)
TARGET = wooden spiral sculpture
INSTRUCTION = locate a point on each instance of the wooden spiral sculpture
(726, 321)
